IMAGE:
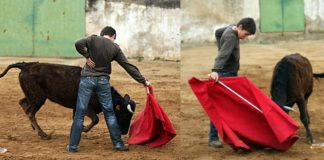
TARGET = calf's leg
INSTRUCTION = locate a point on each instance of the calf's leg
(94, 119)
(30, 110)
(304, 117)
(35, 98)
(93, 116)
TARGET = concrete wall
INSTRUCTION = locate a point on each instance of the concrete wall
(314, 15)
(200, 18)
(144, 28)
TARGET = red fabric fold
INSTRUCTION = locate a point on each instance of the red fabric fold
(238, 123)
(152, 126)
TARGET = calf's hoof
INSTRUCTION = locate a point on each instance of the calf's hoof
(86, 129)
(44, 136)
(311, 140)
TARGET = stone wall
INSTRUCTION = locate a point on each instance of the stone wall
(145, 28)
(200, 18)
(314, 15)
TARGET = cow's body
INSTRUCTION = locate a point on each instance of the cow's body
(292, 82)
(59, 83)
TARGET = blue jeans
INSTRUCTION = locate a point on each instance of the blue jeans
(213, 134)
(101, 86)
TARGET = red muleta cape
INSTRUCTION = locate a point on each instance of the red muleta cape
(238, 123)
(152, 127)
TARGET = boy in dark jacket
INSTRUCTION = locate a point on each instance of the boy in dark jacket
(227, 62)
(100, 51)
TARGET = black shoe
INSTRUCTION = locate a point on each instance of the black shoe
(124, 148)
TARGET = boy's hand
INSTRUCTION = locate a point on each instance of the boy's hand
(214, 76)
(147, 83)
(90, 63)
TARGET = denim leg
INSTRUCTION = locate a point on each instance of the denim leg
(227, 74)
(213, 134)
(86, 87)
(105, 99)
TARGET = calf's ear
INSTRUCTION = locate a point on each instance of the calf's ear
(126, 97)
(117, 107)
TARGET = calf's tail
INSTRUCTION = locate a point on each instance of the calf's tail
(318, 75)
(19, 65)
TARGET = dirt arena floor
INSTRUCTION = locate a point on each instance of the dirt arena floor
(17, 135)
(257, 63)
(191, 122)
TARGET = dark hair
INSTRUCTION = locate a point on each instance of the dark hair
(108, 31)
(248, 24)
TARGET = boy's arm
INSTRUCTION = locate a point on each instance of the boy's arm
(82, 46)
(224, 53)
(218, 35)
(130, 69)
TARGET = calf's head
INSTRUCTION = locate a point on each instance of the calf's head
(124, 110)
(280, 84)
(278, 95)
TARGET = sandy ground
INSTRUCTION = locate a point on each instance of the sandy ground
(190, 121)
(257, 63)
(22, 142)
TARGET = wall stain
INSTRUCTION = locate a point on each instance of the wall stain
(169, 4)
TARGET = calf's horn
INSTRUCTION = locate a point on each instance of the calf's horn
(129, 108)
(288, 108)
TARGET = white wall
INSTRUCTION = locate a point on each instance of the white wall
(200, 18)
(314, 15)
(142, 31)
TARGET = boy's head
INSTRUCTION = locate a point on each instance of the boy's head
(245, 27)
(108, 32)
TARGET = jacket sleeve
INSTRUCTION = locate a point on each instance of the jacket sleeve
(218, 35)
(82, 46)
(224, 52)
(130, 69)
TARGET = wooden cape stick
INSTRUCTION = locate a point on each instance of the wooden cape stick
(231, 90)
